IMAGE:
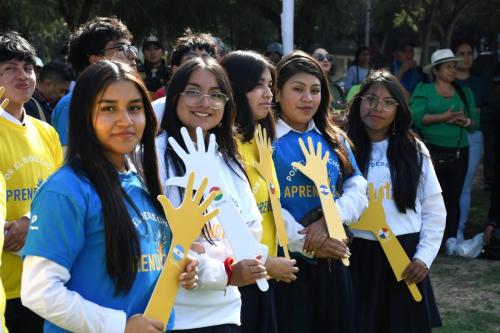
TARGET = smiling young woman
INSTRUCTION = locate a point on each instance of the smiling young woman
(199, 95)
(103, 217)
(321, 297)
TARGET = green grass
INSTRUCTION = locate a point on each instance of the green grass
(468, 290)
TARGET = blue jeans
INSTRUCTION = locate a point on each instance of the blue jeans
(475, 152)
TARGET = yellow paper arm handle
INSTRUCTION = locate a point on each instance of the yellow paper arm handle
(186, 223)
(316, 170)
(264, 167)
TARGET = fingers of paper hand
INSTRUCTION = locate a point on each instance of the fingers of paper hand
(415, 272)
(188, 142)
(5, 101)
(310, 144)
(138, 324)
(189, 278)
(177, 148)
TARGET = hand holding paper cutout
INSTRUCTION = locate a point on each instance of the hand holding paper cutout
(5, 101)
(204, 162)
(316, 170)
(373, 220)
(264, 167)
(186, 222)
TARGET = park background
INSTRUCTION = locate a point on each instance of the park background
(467, 290)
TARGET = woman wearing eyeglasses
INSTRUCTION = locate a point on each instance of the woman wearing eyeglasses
(320, 300)
(445, 112)
(400, 170)
(338, 97)
(199, 95)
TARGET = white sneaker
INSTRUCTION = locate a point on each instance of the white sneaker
(450, 245)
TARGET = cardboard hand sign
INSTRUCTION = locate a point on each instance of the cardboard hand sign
(316, 170)
(373, 220)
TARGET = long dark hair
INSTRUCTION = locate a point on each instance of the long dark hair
(403, 152)
(224, 132)
(244, 69)
(300, 62)
(87, 156)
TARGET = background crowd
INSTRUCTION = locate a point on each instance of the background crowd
(89, 134)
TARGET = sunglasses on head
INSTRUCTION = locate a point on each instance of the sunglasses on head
(321, 57)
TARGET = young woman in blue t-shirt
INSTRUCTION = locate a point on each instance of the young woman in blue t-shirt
(98, 236)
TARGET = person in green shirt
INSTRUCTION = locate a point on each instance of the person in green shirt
(444, 112)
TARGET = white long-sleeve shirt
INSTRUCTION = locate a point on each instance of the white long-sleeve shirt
(213, 302)
(429, 216)
(43, 291)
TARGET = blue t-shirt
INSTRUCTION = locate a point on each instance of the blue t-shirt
(60, 117)
(298, 192)
(67, 227)
(410, 78)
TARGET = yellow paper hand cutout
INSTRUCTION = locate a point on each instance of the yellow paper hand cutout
(373, 220)
(5, 101)
(316, 170)
(264, 167)
(186, 223)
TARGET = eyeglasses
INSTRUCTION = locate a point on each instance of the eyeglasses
(193, 97)
(126, 49)
(321, 57)
(388, 104)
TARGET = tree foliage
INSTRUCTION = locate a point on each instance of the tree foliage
(252, 24)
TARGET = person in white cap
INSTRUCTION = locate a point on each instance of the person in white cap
(444, 112)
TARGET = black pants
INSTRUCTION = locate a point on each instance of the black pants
(451, 176)
(20, 319)
(258, 311)
(489, 152)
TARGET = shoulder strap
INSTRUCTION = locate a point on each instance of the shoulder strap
(41, 114)
(463, 97)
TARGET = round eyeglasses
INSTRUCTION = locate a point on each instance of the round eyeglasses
(388, 104)
(216, 100)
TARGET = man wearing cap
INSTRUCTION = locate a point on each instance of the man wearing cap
(154, 70)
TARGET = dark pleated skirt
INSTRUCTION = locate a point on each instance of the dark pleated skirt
(320, 300)
(382, 303)
(258, 311)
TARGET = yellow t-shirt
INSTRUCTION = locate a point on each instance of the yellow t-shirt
(28, 155)
(2, 222)
(250, 155)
